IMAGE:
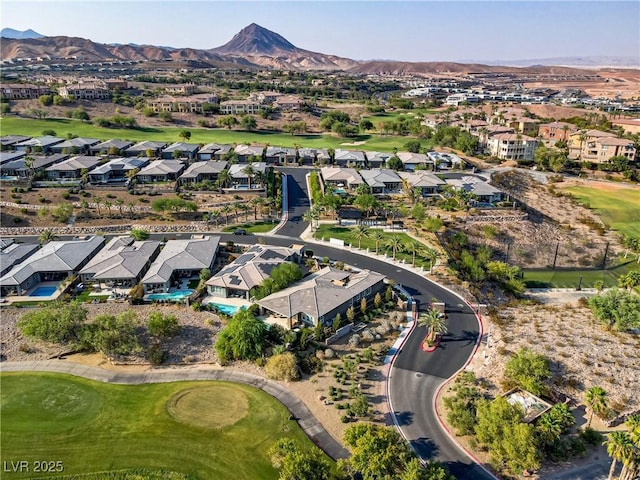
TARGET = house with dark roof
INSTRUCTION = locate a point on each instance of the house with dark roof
(180, 150)
(427, 182)
(75, 145)
(445, 161)
(382, 181)
(115, 171)
(180, 259)
(20, 167)
(121, 263)
(10, 156)
(199, 172)
(349, 158)
(238, 172)
(482, 191)
(280, 155)
(11, 254)
(342, 179)
(160, 171)
(116, 146)
(39, 144)
(249, 270)
(8, 141)
(143, 149)
(245, 151)
(377, 159)
(72, 167)
(56, 260)
(321, 296)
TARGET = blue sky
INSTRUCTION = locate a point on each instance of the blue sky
(412, 31)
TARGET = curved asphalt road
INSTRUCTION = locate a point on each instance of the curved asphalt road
(415, 376)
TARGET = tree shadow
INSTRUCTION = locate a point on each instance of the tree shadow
(404, 418)
(468, 336)
(425, 447)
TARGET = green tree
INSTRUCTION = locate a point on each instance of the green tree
(162, 325)
(248, 122)
(56, 323)
(620, 448)
(434, 322)
(351, 314)
(184, 135)
(46, 236)
(379, 236)
(111, 334)
(228, 121)
(395, 244)
(596, 399)
(412, 146)
(365, 124)
(617, 309)
(377, 300)
(363, 306)
(295, 464)
(366, 202)
(244, 338)
(62, 212)
(139, 234)
(414, 470)
(394, 163)
(360, 232)
(528, 371)
(205, 274)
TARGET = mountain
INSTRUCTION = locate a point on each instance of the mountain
(11, 33)
(583, 62)
(269, 49)
(389, 67)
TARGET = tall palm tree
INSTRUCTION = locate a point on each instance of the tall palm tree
(395, 244)
(360, 232)
(378, 235)
(46, 236)
(414, 247)
(120, 203)
(224, 178)
(214, 215)
(249, 171)
(619, 447)
(256, 202)
(107, 205)
(244, 208)
(226, 209)
(236, 207)
(434, 321)
(97, 200)
(596, 399)
(632, 470)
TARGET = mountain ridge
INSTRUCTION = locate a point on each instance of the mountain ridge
(19, 34)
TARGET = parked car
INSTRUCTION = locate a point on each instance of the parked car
(239, 231)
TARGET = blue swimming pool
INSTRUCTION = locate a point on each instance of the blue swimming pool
(226, 309)
(43, 292)
(176, 296)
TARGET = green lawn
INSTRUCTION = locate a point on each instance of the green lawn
(96, 427)
(63, 126)
(619, 207)
(346, 234)
(257, 227)
(570, 278)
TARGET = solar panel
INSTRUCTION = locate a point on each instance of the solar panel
(235, 280)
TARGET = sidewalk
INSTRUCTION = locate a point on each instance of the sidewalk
(309, 424)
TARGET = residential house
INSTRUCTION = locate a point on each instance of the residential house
(445, 161)
(323, 295)
(6, 157)
(288, 103)
(474, 126)
(382, 181)
(213, 151)
(75, 146)
(22, 91)
(8, 141)
(307, 156)
(180, 150)
(121, 263)
(412, 161)
(342, 179)
(85, 91)
(377, 159)
(180, 259)
(512, 146)
(145, 149)
(160, 171)
(434, 120)
(38, 145)
(239, 175)
(116, 170)
(202, 171)
(249, 270)
(280, 155)
(482, 191)
(244, 152)
(110, 147)
(349, 158)
(427, 182)
(556, 131)
(234, 107)
(190, 104)
(56, 260)
(322, 156)
(72, 167)
(597, 146)
(21, 168)
(11, 254)
(180, 89)
(487, 132)
(265, 97)
(528, 126)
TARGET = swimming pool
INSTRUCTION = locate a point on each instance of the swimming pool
(43, 292)
(176, 296)
(226, 309)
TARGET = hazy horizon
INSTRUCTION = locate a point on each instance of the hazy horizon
(362, 30)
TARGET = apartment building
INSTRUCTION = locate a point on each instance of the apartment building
(512, 146)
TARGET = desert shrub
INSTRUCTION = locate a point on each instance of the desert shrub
(282, 367)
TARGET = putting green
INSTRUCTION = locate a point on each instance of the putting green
(200, 406)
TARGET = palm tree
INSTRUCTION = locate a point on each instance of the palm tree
(244, 208)
(214, 216)
(620, 448)
(120, 203)
(97, 200)
(249, 171)
(596, 399)
(236, 207)
(431, 255)
(46, 236)
(632, 470)
(256, 202)
(85, 206)
(226, 209)
(414, 247)
(223, 178)
(378, 235)
(549, 428)
(360, 232)
(434, 321)
(395, 244)
(131, 208)
(107, 205)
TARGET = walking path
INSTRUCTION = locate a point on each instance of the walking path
(309, 424)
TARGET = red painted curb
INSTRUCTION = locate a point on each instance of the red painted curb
(432, 348)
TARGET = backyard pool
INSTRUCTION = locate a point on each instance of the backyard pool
(226, 309)
(43, 292)
(176, 296)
